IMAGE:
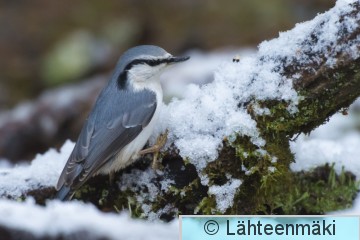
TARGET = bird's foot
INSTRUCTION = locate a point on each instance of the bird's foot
(111, 178)
(155, 149)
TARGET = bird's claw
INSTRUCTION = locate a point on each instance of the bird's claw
(155, 149)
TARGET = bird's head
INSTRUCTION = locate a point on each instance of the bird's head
(144, 63)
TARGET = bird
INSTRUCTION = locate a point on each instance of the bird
(121, 120)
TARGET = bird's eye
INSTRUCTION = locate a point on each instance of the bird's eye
(154, 62)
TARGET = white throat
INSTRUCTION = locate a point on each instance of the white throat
(144, 76)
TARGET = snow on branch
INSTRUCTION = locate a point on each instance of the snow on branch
(241, 124)
(301, 65)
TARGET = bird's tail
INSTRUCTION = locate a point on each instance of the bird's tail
(64, 193)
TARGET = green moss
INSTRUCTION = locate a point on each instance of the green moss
(104, 195)
(21, 199)
(269, 187)
(134, 208)
(281, 123)
(315, 192)
(207, 206)
(84, 190)
(259, 169)
(185, 198)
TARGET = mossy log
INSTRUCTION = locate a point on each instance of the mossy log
(324, 89)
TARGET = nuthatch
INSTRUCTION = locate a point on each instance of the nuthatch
(121, 121)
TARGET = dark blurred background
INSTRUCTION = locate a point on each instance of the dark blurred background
(35, 34)
(45, 44)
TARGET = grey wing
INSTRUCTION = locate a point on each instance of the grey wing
(105, 133)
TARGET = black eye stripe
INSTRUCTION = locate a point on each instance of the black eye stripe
(151, 62)
(121, 80)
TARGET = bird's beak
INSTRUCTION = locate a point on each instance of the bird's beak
(178, 59)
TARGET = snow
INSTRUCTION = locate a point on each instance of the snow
(311, 151)
(198, 70)
(336, 142)
(54, 99)
(225, 194)
(5, 163)
(43, 171)
(208, 113)
(326, 28)
(59, 218)
(144, 182)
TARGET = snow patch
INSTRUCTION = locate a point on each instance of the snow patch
(207, 114)
(43, 171)
(334, 142)
(325, 29)
(144, 183)
(225, 194)
(66, 218)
